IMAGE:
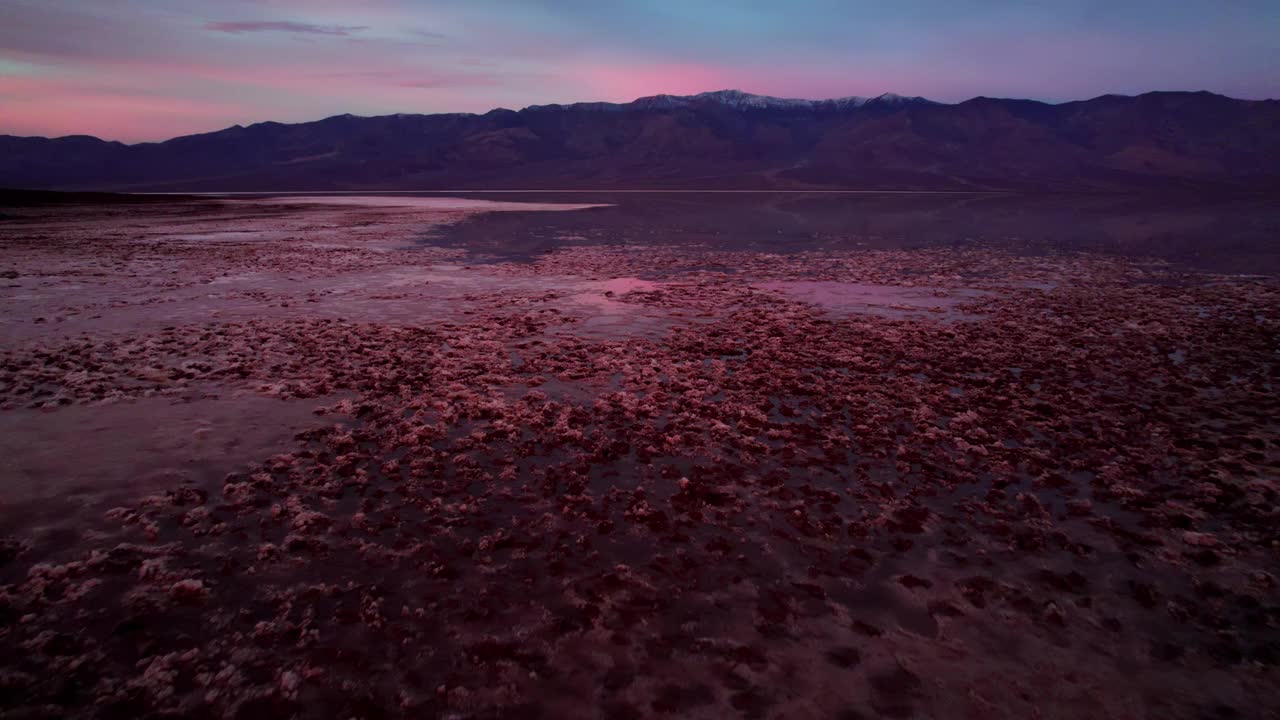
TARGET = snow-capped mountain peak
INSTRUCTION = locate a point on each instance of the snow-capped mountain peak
(740, 100)
(895, 99)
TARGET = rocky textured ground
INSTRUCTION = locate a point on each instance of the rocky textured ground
(623, 481)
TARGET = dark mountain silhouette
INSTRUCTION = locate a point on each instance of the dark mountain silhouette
(724, 139)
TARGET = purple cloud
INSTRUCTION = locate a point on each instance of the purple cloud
(429, 35)
(251, 26)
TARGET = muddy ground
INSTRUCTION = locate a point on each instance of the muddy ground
(276, 458)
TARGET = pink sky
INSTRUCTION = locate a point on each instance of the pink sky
(154, 69)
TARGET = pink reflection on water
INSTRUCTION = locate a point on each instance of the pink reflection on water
(892, 300)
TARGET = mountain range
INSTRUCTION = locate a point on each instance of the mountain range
(724, 140)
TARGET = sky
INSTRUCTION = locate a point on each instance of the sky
(146, 70)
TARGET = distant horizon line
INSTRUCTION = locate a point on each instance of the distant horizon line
(685, 191)
(374, 193)
(535, 108)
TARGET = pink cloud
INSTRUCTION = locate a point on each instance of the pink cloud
(132, 118)
(148, 101)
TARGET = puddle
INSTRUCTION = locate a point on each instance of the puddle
(426, 203)
(224, 236)
(886, 300)
(130, 446)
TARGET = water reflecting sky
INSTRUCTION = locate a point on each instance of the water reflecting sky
(1232, 234)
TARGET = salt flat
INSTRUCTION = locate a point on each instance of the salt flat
(273, 457)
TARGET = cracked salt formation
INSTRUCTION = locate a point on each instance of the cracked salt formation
(756, 507)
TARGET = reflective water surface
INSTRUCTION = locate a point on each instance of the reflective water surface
(1232, 234)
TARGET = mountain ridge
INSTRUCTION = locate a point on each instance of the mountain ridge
(725, 138)
(852, 100)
